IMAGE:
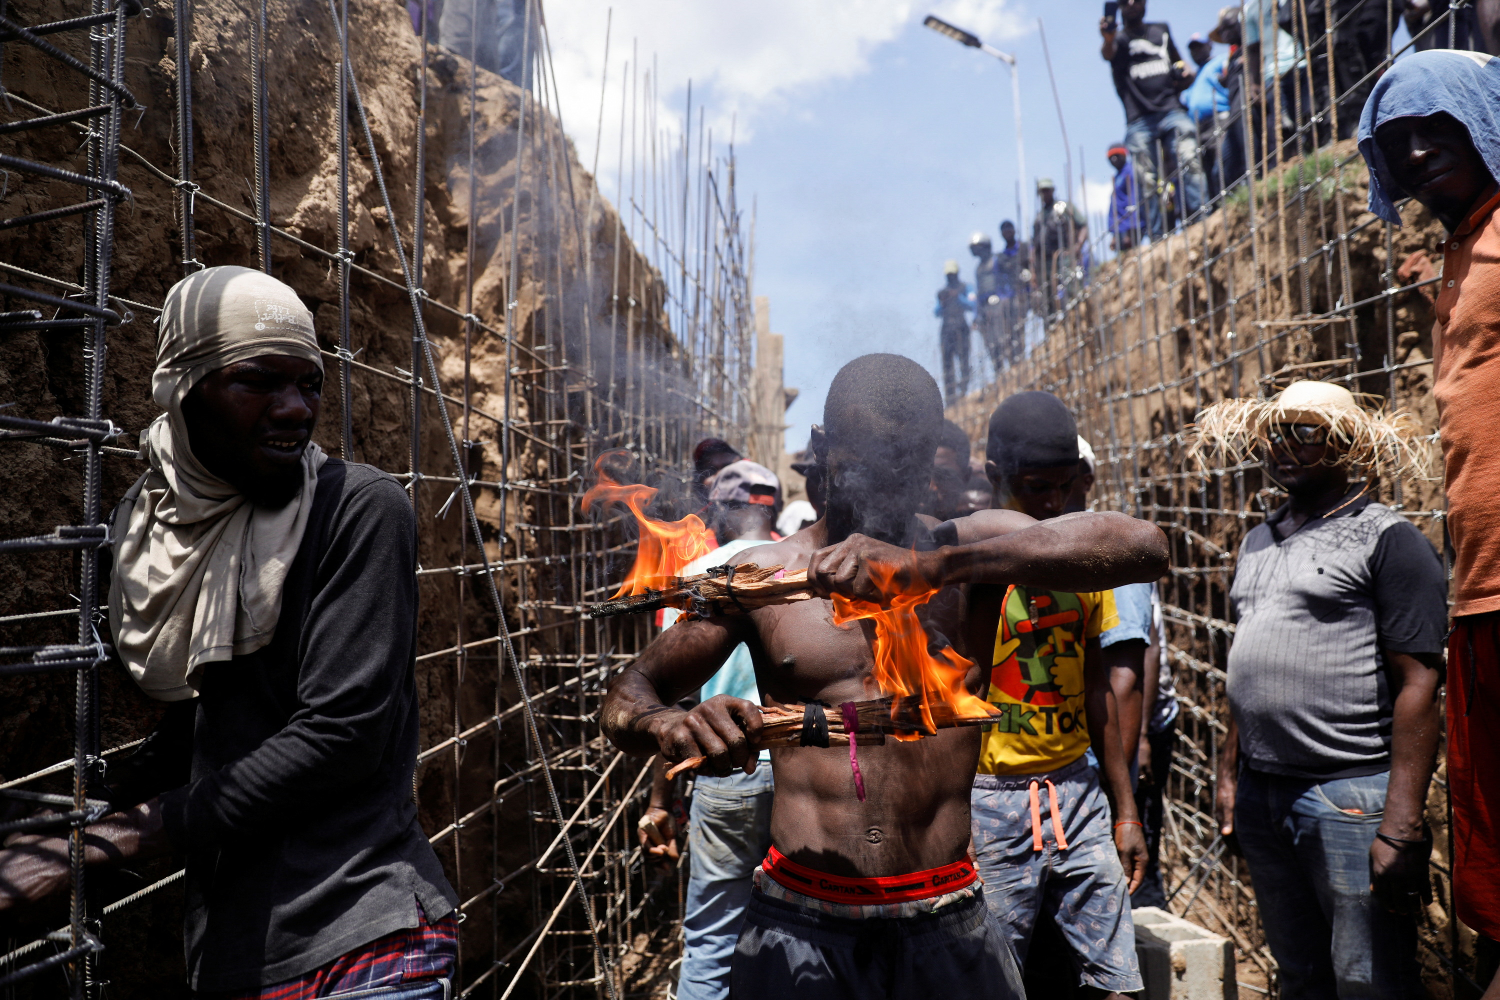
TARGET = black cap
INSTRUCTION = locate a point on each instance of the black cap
(1032, 430)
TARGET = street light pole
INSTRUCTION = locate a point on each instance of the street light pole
(973, 41)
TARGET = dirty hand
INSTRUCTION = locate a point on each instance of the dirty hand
(658, 832)
(723, 729)
(1398, 877)
(845, 568)
(1143, 758)
(1130, 842)
(1224, 803)
(32, 867)
(1107, 27)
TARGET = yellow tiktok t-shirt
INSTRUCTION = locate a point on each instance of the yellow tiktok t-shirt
(1036, 679)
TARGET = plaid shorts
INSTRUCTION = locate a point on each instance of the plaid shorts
(427, 951)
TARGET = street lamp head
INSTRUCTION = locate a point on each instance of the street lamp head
(957, 34)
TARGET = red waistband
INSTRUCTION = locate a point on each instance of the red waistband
(862, 891)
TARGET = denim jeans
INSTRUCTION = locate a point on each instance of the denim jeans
(728, 838)
(1308, 847)
(1179, 137)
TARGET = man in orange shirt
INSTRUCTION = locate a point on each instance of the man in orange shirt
(1431, 130)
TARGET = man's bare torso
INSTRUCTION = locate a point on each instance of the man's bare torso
(916, 813)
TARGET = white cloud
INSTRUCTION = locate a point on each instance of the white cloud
(1099, 193)
(745, 57)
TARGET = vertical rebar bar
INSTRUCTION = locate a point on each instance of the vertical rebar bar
(260, 136)
(182, 37)
(346, 258)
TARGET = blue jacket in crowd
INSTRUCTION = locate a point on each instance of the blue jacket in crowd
(953, 302)
(1207, 95)
(1124, 203)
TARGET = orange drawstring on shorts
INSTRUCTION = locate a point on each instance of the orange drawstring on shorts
(1036, 815)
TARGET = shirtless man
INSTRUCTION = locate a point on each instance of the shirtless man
(922, 924)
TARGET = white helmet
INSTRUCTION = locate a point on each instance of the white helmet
(979, 239)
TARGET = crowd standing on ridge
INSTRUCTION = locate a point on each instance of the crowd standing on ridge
(1185, 145)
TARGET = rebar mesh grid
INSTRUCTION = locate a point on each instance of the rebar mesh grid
(1288, 277)
(89, 312)
(567, 330)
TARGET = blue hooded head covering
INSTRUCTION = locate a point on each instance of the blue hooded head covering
(1464, 84)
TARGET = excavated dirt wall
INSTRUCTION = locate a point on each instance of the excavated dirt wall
(526, 187)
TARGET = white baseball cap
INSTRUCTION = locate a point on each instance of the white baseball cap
(734, 481)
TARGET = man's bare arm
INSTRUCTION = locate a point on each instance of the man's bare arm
(639, 717)
(1229, 777)
(1076, 552)
(1080, 552)
(1151, 669)
(1399, 877)
(1252, 72)
(1125, 663)
(1104, 734)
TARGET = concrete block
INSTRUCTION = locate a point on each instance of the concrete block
(1180, 960)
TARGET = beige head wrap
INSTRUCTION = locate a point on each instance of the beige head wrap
(1369, 438)
(198, 568)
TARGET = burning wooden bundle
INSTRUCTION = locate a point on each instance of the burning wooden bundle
(664, 547)
(723, 590)
(817, 725)
(922, 680)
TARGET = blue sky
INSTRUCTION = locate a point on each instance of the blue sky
(873, 146)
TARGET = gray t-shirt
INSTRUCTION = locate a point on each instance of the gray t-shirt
(1307, 679)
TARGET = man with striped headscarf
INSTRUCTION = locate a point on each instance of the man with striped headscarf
(268, 592)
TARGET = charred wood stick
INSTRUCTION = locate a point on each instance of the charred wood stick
(823, 726)
(723, 590)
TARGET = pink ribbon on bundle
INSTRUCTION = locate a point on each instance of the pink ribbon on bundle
(851, 723)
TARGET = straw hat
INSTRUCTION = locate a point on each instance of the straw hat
(1311, 402)
(1237, 431)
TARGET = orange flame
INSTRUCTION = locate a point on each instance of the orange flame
(903, 666)
(665, 547)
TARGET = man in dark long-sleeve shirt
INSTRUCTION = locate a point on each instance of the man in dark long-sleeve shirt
(269, 592)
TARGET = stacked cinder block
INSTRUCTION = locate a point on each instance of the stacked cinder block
(1182, 961)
